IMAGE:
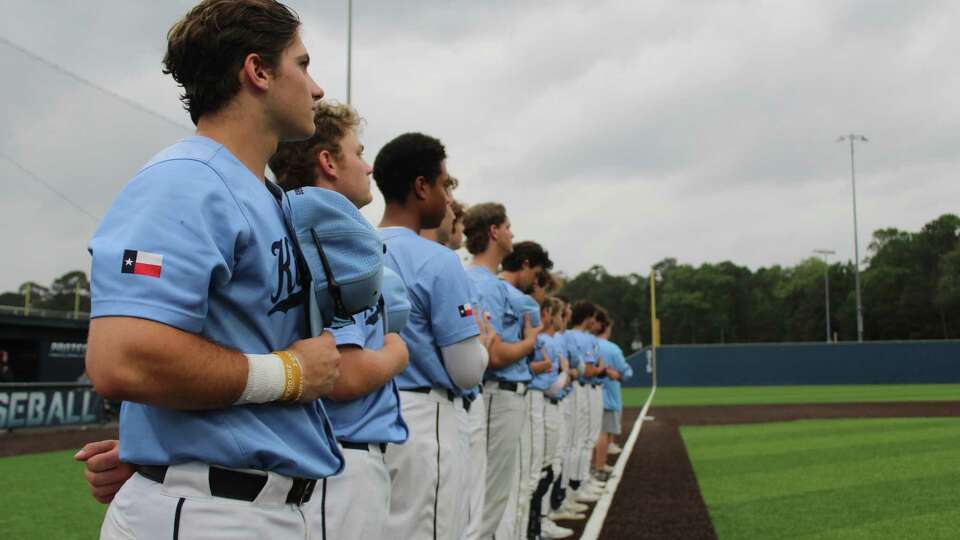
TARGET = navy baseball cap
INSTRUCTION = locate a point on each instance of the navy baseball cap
(343, 252)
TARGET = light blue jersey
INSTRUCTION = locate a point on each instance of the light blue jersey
(197, 242)
(477, 305)
(558, 346)
(568, 342)
(582, 346)
(440, 309)
(546, 344)
(503, 302)
(613, 357)
(375, 417)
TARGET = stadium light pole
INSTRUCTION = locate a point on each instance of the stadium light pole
(349, 47)
(826, 283)
(853, 137)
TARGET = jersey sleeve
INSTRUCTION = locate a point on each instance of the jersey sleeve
(492, 302)
(451, 315)
(172, 233)
(351, 334)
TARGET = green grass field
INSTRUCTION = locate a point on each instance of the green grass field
(45, 496)
(762, 395)
(850, 479)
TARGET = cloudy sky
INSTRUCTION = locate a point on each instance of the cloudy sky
(617, 133)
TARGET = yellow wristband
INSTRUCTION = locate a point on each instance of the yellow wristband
(292, 375)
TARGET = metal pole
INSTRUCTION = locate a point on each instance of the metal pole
(349, 48)
(856, 242)
(826, 287)
(826, 284)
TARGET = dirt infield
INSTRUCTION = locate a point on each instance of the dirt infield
(29, 441)
(658, 496)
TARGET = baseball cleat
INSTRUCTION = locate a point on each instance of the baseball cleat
(586, 496)
(573, 505)
(560, 515)
(549, 529)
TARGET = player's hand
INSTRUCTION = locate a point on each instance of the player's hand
(104, 471)
(321, 365)
(529, 330)
(487, 334)
(397, 349)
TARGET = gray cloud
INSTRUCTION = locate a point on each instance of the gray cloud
(617, 133)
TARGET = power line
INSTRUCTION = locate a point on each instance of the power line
(49, 186)
(92, 84)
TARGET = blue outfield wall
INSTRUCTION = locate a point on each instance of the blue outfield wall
(890, 362)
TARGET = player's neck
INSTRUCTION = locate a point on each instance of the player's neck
(245, 135)
(489, 259)
(512, 278)
(398, 215)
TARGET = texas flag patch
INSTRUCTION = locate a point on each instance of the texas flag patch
(466, 310)
(141, 262)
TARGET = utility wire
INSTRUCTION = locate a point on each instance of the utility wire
(92, 84)
(49, 186)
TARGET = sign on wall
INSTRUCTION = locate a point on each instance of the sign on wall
(67, 349)
(42, 405)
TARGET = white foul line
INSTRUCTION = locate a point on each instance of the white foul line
(592, 530)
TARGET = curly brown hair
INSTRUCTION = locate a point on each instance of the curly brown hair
(295, 163)
(206, 49)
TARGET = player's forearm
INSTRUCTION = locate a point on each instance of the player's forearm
(505, 353)
(363, 371)
(541, 366)
(147, 362)
(589, 370)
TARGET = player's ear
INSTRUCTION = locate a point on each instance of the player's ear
(421, 188)
(255, 72)
(492, 232)
(326, 163)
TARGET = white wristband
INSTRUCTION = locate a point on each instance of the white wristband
(266, 379)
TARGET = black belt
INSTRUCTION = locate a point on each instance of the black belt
(236, 485)
(363, 446)
(510, 386)
(554, 401)
(451, 397)
(596, 385)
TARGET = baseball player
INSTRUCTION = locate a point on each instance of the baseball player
(446, 355)
(197, 299)
(546, 389)
(564, 507)
(489, 240)
(450, 233)
(364, 405)
(581, 347)
(617, 370)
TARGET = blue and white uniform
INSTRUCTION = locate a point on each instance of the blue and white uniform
(197, 242)
(476, 476)
(355, 504)
(503, 392)
(428, 471)
(612, 401)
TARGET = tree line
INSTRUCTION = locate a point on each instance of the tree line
(60, 295)
(910, 287)
(910, 284)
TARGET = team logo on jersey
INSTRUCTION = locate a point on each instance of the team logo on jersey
(289, 292)
(466, 310)
(143, 263)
